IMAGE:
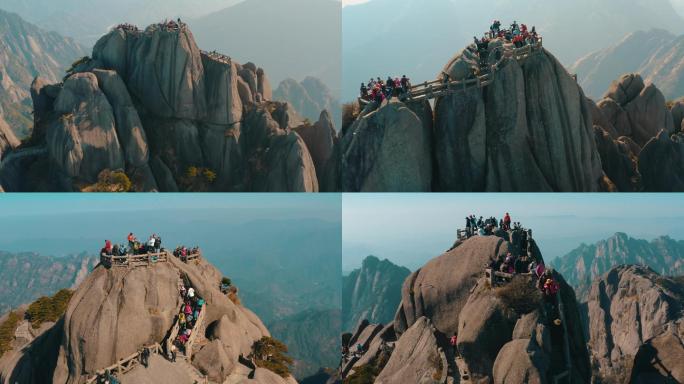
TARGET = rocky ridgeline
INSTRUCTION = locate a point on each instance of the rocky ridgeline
(498, 342)
(636, 326)
(530, 129)
(117, 311)
(637, 133)
(151, 103)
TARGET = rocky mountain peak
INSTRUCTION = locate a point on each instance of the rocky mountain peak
(151, 104)
(123, 306)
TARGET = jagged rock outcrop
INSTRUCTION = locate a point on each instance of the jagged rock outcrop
(659, 360)
(661, 163)
(619, 160)
(8, 140)
(633, 310)
(372, 292)
(388, 150)
(114, 312)
(150, 103)
(583, 265)
(498, 341)
(320, 139)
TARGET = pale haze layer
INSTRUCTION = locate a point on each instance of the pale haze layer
(411, 229)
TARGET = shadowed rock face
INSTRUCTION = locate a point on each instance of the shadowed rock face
(154, 95)
(8, 140)
(388, 150)
(114, 312)
(529, 130)
(634, 311)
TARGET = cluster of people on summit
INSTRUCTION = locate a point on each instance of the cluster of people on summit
(378, 91)
(518, 34)
(128, 27)
(486, 227)
(171, 25)
(135, 247)
(182, 252)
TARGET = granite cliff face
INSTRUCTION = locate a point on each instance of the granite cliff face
(498, 342)
(172, 117)
(582, 266)
(637, 132)
(372, 292)
(114, 312)
(528, 130)
(636, 325)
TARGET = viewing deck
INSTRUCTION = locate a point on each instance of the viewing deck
(144, 260)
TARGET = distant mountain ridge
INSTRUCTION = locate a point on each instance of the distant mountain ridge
(26, 276)
(588, 262)
(372, 292)
(655, 54)
(25, 52)
(309, 97)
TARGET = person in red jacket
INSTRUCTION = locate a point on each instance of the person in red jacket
(507, 222)
(454, 343)
(108, 247)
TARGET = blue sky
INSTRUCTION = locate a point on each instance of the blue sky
(410, 229)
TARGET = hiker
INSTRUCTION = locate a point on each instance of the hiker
(145, 357)
(191, 292)
(172, 353)
(131, 240)
(468, 228)
(507, 222)
(150, 244)
(108, 247)
(364, 91)
(480, 223)
(359, 349)
(454, 343)
(405, 83)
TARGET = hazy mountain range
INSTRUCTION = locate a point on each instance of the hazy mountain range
(25, 277)
(417, 38)
(657, 55)
(584, 264)
(372, 292)
(25, 52)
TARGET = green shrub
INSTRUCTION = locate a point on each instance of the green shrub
(7, 329)
(350, 112)
(48, 308)
(197, 179)
(226, 281)
(519, 295)
(367, 373)
(271, 354)
(110, 181)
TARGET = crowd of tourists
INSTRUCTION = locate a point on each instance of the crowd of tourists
(171, 25)
(518, 34)
(134, 247)
(128, 27)
(486, 227)
(377, 90)
(187, 319)
(182, 252)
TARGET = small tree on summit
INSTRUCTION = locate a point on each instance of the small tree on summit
(270, 353)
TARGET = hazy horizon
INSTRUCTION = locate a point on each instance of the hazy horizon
(411, 229)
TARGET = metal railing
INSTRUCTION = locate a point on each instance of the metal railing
(143, 260)
(124, 365)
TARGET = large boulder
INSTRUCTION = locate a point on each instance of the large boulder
(84, 141)
(530, 129)
(416, 357)
(659, 360)
(320, 140)
(628, 306)
(8, 140)
(387, 150)
(619, 162)
(455, 272)
(661, 163)
(636, 109)
(521, 361)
